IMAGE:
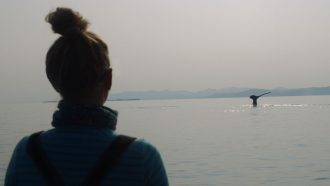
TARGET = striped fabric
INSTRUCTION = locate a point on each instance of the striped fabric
(74, 150)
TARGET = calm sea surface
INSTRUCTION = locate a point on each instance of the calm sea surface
(285, 141)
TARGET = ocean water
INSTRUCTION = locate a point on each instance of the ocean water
(284, 141)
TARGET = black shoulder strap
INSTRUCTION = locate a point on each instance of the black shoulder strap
(44, 166)
(108, 160)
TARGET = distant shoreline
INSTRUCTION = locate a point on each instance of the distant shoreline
(129, 99)
(233, 92)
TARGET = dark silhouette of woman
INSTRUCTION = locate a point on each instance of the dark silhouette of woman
(254, 98)
(82, 148)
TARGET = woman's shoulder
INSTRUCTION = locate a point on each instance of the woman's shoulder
(153, 167)
(21, 145)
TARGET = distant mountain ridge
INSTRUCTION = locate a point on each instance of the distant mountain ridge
(218, 93)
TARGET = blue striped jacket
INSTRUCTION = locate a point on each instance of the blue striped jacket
(74, 150)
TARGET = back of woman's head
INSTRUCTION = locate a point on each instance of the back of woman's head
(78, 59)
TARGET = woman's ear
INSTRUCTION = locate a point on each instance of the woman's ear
(108, 78)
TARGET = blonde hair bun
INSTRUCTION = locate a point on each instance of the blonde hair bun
(66, 22)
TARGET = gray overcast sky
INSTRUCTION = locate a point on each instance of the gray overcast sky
(176, 44)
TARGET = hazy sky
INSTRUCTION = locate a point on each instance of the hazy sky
(176, 44)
